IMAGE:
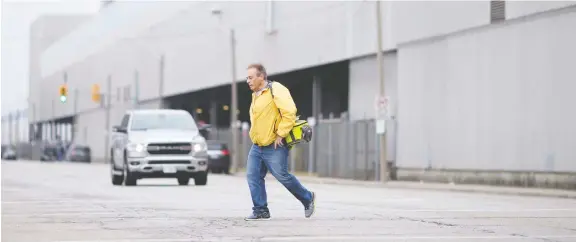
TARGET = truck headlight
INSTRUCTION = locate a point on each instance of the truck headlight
(198, 147)
(135, 147)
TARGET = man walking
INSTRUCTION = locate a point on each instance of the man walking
(272, 119)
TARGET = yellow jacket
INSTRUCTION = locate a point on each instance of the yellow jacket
(266, 121)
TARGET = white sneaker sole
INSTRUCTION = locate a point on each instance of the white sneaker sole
(313, 205)
(257, 219)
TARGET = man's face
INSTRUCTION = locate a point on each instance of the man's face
(254, 79)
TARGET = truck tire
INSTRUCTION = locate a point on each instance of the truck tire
(201, 178)
(116, 179)
(183, 181)
(129, 179)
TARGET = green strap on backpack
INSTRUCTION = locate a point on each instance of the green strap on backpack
(301, 132)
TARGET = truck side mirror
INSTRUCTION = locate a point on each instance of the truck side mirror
(119, 129)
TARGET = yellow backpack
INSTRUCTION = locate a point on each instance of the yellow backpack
(301, 132)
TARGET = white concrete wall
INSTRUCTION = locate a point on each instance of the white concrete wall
(497, 98)
(121, 20)
(44, 32)
(414, 20)
(365, 84)
(196, 48)
(90, 130)
(198, 55)
(515, 9)
(365, 87)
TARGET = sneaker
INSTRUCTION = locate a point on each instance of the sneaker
(258, 216)
(309, 210)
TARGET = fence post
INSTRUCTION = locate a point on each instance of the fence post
(350, 149)
(366, 149)
(377, 158)
(330, 144)
(311, 149)
(317, 145)
(245, 140)
(355, 148)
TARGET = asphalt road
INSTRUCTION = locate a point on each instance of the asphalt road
(77, 202)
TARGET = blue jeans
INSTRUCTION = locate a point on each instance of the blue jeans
(262, 159)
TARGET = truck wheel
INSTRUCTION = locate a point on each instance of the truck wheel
(183, 181)
(116, 179)
(129, 179)
(201, 178)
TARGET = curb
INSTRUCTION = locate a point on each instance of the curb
(466, 188)
(483, 189)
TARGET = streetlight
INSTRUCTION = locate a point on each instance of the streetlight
(234, 94)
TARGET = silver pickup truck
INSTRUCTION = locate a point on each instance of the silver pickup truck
(158, 143)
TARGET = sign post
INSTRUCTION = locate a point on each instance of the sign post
(382, 103)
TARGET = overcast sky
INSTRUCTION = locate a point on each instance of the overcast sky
(17, 15)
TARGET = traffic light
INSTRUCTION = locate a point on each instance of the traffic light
(96, 93)
(63, 93)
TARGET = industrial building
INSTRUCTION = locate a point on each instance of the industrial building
(473, 85)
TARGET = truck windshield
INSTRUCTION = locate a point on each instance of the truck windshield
(147, 121)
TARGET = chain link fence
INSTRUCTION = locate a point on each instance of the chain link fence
(340, 149)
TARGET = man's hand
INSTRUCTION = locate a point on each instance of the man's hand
(278, 142)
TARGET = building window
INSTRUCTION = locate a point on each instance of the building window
(497, 11)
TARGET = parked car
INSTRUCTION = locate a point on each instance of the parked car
(81, 153)
(158, 143)
(9, 153)
(218, 157)
(49, 152)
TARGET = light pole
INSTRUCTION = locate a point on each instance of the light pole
(233, 95)
(379, 58)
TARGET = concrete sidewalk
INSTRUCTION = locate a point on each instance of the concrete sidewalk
(500, 190)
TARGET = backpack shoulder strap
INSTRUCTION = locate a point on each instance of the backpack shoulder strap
(270, 87)
(272, 93)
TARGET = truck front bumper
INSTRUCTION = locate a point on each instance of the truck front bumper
(167, 166)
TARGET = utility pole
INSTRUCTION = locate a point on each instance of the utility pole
(234, 109)
(379, 58)
(107, 100)
(34, 125)
(52, 126)
(233, 95)
(161, 81)
(10, 127)
(17, 128)
(75, 120)
(136, 89)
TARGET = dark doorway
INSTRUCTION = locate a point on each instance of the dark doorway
(212, 105)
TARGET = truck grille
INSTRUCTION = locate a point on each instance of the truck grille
(169, 148)
(169, 162)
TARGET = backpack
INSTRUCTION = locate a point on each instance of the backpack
(301, 132)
